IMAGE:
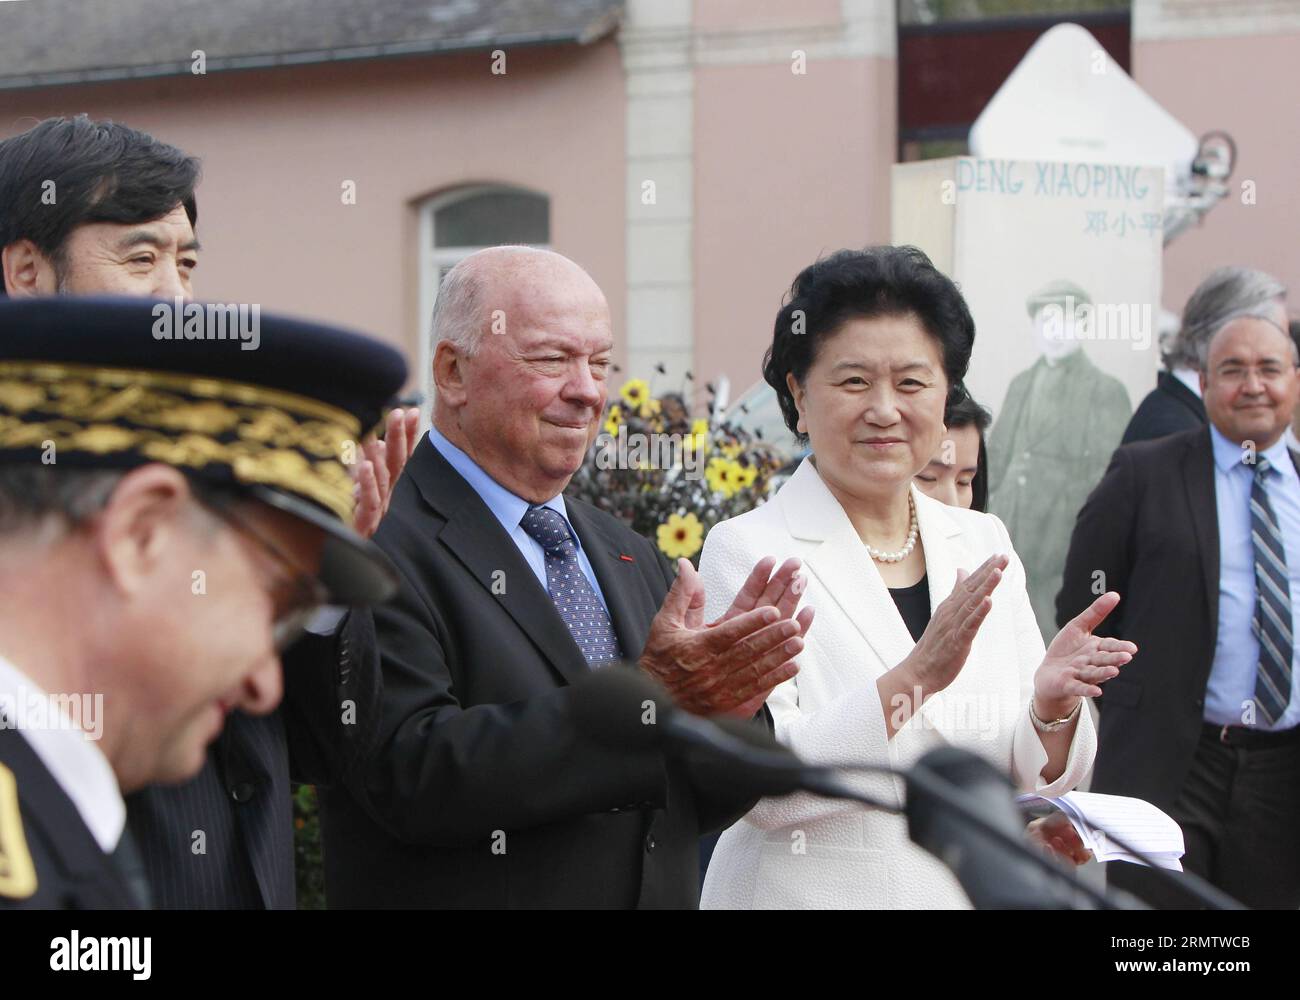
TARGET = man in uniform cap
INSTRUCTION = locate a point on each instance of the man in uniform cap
(1060, 422)
(171, 513)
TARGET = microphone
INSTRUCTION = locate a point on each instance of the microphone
(624, 709)
(962, 810)
(747, 753)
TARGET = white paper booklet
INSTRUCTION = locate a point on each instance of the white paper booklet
(1135, 821)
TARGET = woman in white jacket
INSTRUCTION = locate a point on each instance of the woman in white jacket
(924, 633)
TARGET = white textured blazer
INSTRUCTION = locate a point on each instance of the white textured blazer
(804, 851)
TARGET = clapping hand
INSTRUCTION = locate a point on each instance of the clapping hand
(377, 472)
(941, 652)
(731, 665)
(1077, 661)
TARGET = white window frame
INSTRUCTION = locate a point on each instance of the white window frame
(433, 259)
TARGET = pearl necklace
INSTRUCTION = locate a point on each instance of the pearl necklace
(912, 531)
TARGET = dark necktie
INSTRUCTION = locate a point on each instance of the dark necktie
(575, 598)
(1272, 623)
(126, 857)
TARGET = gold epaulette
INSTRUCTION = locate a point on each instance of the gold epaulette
(17, 873)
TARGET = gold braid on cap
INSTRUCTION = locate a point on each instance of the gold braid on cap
(265, 436)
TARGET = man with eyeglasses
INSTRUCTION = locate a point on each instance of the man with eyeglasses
(157, 549)
(1200, 533)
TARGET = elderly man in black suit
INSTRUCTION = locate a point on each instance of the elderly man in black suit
(1175, 403)
(485, 790)
(1200, 534)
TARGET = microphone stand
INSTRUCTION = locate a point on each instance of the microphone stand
(956, 799)
(825, 780)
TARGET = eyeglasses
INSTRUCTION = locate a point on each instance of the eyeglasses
(1268, 372)
(297, 597)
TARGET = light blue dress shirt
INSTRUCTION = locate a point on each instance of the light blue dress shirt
(510, 509)
(1236, 650)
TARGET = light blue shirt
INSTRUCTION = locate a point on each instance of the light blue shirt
(1236, 650)
(510, 509)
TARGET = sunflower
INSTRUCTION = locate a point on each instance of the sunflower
(698, 439)
(681, 536)
(613, 420)
(635, 392)
(723, 476)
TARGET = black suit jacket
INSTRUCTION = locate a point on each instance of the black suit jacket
(483, 791)
(1167, 409)
(43, 826)
(225, 839)
(1151, 528)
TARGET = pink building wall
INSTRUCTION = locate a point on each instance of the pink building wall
(787, 168)
(742, 15)
(1247, 86)
(277, 145)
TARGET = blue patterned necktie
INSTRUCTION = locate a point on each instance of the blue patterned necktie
(575, 598)
(1272, 624)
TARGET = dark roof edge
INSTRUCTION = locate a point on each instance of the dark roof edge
(593, 32)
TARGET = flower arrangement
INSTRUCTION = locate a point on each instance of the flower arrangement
(670, 475)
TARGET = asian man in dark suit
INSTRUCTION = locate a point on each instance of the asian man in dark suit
(1200, 534)
(487, 790)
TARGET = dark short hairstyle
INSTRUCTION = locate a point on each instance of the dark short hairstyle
(32, 492)
(854, 284)
(102, 172)
(963, 411)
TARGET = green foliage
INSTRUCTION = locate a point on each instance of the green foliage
(725, 472)
(309, 867)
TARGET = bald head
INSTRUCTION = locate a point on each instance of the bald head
(522, 344)
(493, 281)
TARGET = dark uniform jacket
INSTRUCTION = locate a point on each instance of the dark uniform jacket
(48, 857)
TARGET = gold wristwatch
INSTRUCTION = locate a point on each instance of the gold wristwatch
(1055, 724)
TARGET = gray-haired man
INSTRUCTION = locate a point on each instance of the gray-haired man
(1175, 403)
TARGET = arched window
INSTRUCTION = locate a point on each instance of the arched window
(455, 224)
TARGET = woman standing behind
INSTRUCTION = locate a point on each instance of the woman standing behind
(925, 636)
(958, 472)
